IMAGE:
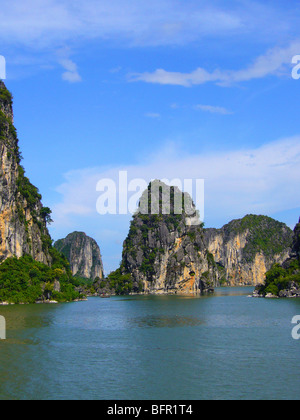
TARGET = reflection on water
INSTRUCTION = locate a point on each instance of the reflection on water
(233, 291)
(165, 321)
(22, 317)
(218, 291)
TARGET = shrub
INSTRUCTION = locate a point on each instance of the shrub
(25, 280)
(121, 283)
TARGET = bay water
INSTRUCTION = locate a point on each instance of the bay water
(224, 346)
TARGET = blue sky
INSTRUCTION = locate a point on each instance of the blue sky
(162, 89)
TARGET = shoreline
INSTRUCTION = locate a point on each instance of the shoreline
(255, 294)
(42, 302)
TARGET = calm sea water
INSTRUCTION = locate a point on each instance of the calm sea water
(226, 346)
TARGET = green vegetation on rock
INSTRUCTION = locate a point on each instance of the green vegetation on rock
(25, 280)
(266, 235)
(284, 280)
(27, 190)
(280, 278)
(121, 284)
(5, 96)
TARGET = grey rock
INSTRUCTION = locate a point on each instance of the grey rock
(56, 286)
(83, 254)
(237, 251)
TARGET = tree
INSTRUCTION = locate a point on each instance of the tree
(46, 214)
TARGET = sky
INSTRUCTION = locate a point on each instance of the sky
(166, 89)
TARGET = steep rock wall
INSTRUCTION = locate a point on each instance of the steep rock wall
(23, 219)
(246, 249)
(83, 253)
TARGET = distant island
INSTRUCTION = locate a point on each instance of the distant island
(83, 254)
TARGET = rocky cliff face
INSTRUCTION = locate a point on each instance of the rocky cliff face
(295, 253)
(166, 252)
(23, 219)
(83, 253)
(246, 249)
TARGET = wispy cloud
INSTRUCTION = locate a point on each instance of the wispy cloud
(45, 23)
(214, 109)
(276, 61)
(154, 115)
(40, 27)
(260, 180)
(115, 70)
(164, 22)
(71, 74)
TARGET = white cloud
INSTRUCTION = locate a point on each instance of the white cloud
(264, 179)
(44, 23)
(154, 115)
(276, 61)
(71, 74)
(41, 26)
(163, 22)
(214, 109)
(164, 77)
(174, 105)
(116, 70)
